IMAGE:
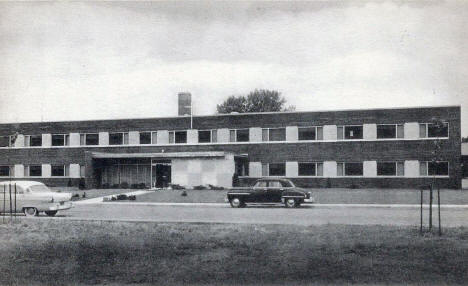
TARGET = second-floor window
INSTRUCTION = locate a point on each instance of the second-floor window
(390, 169)
(310, 133)
(274, 134)
(148, 137)
(5, 141)
(433, 168)
(60, 139)
(239, 135)
(33, 170)
(6, 171)
(32, 140)
(349, 132)
(390, 131)
(120, 138)
(430, 130)
(350, 169)
(89, 139)
(207, 136)
(177, 137)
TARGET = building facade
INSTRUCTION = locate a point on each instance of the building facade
(378, 148)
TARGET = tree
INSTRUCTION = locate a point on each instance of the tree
(259, 100)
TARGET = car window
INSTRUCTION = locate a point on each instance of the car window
(261, 184)
(274, 184)
(39, 189)
(286, 184)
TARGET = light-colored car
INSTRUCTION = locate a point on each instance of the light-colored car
(31, 198)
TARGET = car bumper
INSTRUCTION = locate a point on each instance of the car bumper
(309, 201)
(61, 206)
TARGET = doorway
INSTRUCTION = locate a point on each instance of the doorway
(160, 173)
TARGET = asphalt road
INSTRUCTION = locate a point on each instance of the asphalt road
(306, 215)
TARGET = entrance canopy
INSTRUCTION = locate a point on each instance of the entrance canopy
(160, 155)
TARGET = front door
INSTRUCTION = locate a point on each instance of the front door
(161, 174)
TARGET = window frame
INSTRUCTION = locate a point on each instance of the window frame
(427, 169)
(396, 168)
(236, 135)
(344, 169)
(150, 135)
(427, 131)
(28, 138)
(124, 136)
(11, 171)
(269, 134)
(211, 135)
(316, 169)
(396, 130)
(66, 139)
(316, 127)
(173, 132)
(85, 138)
(344, 132)
(278, 163)
(28, 173)
(9, 141)
(66, 170)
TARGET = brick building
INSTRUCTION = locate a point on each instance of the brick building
(391, 148)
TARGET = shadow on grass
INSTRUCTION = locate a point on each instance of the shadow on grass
(58, 253)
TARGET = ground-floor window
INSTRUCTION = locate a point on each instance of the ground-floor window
(310, 169)
(6, 171)
(274, 169)
(33, 170)
(390, 169)
(433, 168)
(60, 171)
(350, 169)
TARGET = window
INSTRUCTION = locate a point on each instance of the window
(207, 136)
(274, 134)
(390, 131)
(430, 130)
(33, 170)
(32, 140)
(261, 184)
(120, 138)
(351, 132)
(310, 169)
(350, 169)
(89, 139)
(5, 141)
(177, 137)
(60, 139)
(433, 168)
(390, 169)
(60, 171)
(310, 133)
(148, 137)
(241, 167)
(276, 169)
(239, 135)
(6, 171)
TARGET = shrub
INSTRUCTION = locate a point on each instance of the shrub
(200, 187)
(212, 187)
(135, 186)
(177, 187)
(115, 186)
(124, 185)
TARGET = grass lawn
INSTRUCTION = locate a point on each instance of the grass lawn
(60, 252)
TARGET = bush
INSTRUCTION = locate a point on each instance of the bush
(177, 187)
(105, 186)
(212, 187)
(124, 185)
(135, 186)
(200, 187)
(115, 186)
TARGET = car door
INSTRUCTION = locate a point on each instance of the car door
(259, 192)
(274, 192)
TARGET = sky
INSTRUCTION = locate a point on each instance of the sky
(104, 60)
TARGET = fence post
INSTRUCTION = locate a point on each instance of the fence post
(421, 223)
(15, 201)
(11, 206)
(438, 202)
(4, 204)
(430, 208)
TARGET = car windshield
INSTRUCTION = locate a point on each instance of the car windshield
(39, 189)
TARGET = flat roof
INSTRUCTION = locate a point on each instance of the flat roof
(106, 155)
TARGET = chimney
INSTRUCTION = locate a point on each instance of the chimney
(185, 103)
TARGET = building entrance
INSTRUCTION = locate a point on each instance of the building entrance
(160, 173)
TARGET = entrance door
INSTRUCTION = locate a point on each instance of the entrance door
(160, 173)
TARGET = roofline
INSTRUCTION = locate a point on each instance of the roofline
(238, 114)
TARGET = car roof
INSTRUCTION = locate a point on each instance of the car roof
(22, 184)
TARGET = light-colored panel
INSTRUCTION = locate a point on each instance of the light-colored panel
(223, 135)
(209, 178)
(19, 141)
(370, 131)
(194, 179)
(464, 149)
(46, 170)
(329, 169)
(292, 133)
(192, 136)
(255, 169)
(103, 138)
(412, 168)
(74, 170)
(19, 171)
(46, 140)
(370, 168)
(329, 132)
(74, 139)
(209, 165)
(162, 137)
(224, 180)
(194, 166)
(133, 137)
(292, 169)
(255, 134)
(412, 130)
(464, 183)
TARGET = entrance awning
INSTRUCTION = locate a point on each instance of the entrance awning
(160, 155)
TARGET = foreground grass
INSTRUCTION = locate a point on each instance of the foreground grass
(59, 252)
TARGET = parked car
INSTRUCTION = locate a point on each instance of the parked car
(32, 198)
(269, 190)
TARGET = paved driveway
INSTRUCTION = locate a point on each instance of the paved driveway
(307, 215)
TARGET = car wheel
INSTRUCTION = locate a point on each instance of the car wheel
(290, 203)
(50, 213)
(237, 203)
(30, 212)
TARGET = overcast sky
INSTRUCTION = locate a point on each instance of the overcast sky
(74, 61)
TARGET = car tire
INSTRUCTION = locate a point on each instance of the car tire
(236, 203)
(30, 212)
(290, 203)
(50, 213)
